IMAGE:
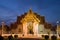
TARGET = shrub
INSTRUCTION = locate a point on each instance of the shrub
(46, 37)
(53, 37)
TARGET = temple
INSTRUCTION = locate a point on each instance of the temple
(29, 23)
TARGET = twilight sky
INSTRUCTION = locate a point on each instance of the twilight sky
(10, 9)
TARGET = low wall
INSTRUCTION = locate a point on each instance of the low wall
(29, 35)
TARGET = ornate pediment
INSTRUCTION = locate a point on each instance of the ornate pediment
(30, 16)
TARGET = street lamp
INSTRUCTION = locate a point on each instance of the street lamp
(57, 27)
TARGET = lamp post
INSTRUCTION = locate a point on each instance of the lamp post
(2, 28)
(57, 27)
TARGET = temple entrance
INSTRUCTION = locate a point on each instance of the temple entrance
(30, 27)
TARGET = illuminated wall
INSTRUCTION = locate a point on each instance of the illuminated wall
(25, 28)
(41, 29)
(35, 28)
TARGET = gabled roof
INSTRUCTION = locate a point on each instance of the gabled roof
(13, 25)
(41, 18)
(48, 25)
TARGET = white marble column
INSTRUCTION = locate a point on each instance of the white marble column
(35, 28)
(25, 28)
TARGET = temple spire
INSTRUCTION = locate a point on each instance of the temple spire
(30, 10)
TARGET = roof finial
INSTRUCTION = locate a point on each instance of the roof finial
(30, 10)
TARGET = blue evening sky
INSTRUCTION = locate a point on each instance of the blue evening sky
(10, 9)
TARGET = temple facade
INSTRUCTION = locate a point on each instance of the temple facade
(31, 23)
(28, 23)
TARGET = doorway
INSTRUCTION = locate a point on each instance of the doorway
(30, 27)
